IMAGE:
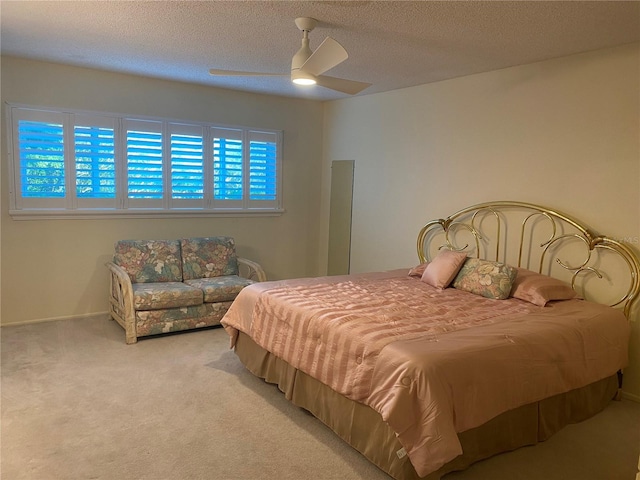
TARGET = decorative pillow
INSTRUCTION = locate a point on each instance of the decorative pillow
(486, 278)
(443, 268)
(539, 289)
(418, 270)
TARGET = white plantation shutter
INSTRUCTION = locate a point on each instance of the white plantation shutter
(228, 167)
(39, 173)
(42, 159)
(264, 163)
(187, 166)
(66, 163)
(95, 161)
(145, 164)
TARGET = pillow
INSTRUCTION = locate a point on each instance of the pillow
(486, 278)
(418, 270)
(539, 289)
(442, 269)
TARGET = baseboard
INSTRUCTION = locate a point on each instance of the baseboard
(631, 396)
(84, 316)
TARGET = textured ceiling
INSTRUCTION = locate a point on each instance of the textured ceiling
(391, 44)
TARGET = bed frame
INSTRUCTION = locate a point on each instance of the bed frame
(599, 268)
(544, 240)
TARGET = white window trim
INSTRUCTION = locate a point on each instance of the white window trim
(69, 207)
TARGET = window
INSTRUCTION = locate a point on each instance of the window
(80, 163)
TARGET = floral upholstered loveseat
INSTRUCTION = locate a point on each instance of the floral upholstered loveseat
(161, 286)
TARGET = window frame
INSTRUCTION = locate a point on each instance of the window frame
(73, 205)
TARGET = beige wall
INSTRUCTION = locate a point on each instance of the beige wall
(563, 133)
(54, 268)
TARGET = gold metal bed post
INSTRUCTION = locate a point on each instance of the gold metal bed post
(561, 231)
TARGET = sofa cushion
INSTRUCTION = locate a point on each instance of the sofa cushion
(150, 260)
(156, 296)
(220, 289)
(153, 322)
(208, 257)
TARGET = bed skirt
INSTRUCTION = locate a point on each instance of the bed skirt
(363, 428)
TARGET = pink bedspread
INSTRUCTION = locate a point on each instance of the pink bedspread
(431, 362)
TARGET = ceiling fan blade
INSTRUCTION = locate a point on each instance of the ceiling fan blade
(235, 73)
(328, 54)
(341, 85)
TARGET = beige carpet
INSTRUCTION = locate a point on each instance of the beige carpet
(77, 403)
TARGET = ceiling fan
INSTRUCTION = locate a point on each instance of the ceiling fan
(307, 67)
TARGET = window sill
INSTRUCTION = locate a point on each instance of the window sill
(95, 214)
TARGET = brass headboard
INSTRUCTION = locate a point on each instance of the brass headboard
(543, 240)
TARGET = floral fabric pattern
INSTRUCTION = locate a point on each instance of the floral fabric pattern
(220, 289)
(208, 257)
(486, 278)
(156, 296)
(149, 260)
(153, 322)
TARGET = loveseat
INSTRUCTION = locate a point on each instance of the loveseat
(161, 286)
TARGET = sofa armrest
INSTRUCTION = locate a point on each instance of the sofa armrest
(251, 270)
(121, 301)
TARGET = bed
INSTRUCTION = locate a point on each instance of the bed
(512, 324)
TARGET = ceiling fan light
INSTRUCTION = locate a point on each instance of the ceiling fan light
(304, 81)
(301, 78)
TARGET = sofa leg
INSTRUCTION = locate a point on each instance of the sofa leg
(130, 333)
